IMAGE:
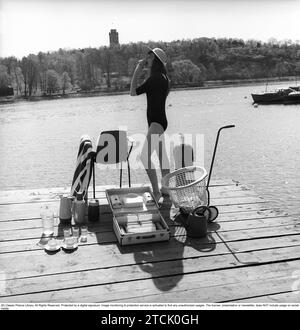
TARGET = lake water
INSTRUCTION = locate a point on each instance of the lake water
(39, 140)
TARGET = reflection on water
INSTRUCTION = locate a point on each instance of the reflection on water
(39, 140)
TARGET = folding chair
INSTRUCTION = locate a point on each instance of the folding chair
(112, 148)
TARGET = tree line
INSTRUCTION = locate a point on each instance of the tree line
(191, 63)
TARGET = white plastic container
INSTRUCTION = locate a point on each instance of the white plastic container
(79, 209)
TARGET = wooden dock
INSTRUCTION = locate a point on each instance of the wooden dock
(252, 254)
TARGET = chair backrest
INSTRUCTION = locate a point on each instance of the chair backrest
(112, 147)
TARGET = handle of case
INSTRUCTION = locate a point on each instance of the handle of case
(145, 236)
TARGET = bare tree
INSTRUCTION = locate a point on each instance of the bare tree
(4, 76)
(107, 61)
(53, 81)
(30, 73)
(65, 82)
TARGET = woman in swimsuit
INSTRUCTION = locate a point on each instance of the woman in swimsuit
(156, 87)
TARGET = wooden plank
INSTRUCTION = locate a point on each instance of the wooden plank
(259, 232)
(93, 276)
(106, 218)
(235, 245)
(35, 197)
(48, 193)
(232, 212)
(105, 276)
(248, 215)
(24, 240)
(225, 221)
(269, 255)
(38, 263)
(32, 210)
(24, 195)
(161, 262)
(256, 223)
(218, 294)
(101, 228)
(239, 209)
(203, 286)
(263, 243)
(220, 198)
(31, 244)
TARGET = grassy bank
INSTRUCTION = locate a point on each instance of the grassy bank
(207, 85)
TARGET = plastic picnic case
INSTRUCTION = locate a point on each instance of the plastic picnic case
(150, 232)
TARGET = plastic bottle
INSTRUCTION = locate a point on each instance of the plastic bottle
(79, 209)
(47, 216)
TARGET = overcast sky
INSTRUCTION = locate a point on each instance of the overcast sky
(30, 26)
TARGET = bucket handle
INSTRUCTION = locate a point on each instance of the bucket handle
(201, 208)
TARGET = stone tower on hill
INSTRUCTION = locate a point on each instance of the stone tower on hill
(113, 38)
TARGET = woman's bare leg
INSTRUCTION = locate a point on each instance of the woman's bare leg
(163, 158)
(164, 162)
(154, 129)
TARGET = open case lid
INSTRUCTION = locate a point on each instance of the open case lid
(130, 200)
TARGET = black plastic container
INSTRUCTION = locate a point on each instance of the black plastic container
(93, 210)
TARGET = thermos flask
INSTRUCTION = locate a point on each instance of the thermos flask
(65, 209)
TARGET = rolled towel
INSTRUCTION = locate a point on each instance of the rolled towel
(83, 169)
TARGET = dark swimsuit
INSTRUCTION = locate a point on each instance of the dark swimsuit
(156, 88)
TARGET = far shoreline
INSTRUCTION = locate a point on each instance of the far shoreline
(213, 84)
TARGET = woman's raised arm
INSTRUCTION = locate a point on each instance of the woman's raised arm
(135, 77)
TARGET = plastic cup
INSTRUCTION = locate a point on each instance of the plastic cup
(69, 241)
(52, 243)
(76, 232)
(67, 232)
(84, 232)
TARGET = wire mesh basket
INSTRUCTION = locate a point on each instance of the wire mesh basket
(186, 187)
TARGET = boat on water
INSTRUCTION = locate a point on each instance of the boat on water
(276, 96)
(295, 88)
(292, 98)
(6, 99)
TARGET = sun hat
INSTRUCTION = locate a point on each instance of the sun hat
(162, 56)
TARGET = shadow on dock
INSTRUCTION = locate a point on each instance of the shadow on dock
(158, 258)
